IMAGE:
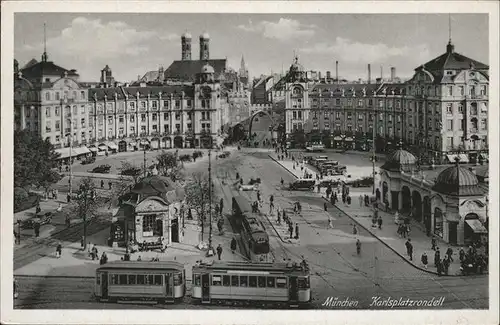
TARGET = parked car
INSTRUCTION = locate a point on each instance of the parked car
(101, 169)
(249, 187)
(302, 184)
(88, 160)
(40, 218)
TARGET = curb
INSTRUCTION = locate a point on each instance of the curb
(274, 228)
(277, 161)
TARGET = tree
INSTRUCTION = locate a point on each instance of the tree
(168, 165)
(34, 160)
(198, 196)
(87, 204)
(128, 169)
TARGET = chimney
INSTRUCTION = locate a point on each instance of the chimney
(328, 75)
(369, 73)
(337, 70)
(381, 72)
(393, 74)
(378, 81)
(103, 75)
(319, 75)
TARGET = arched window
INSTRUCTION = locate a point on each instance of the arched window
(47, 95)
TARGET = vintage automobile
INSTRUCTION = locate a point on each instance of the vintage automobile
(88, 160)
(101, 169)
(249, 187)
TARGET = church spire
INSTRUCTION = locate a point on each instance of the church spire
(44, 55)
(450, 48)
(242, 63)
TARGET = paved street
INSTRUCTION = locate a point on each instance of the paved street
(337, 270)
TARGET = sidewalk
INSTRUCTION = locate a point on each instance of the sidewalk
(388, 234)
(77, 263)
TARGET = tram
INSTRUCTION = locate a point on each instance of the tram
(240, 207)
(164, 282)
(218, 282)
(255, 239)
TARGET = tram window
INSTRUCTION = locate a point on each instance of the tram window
(261, 281)
(252, 282)
(271, 281)
(216, 280)
(140, 279)
(98, 278)
(225, 280)
(131, 279)
(234, 280)
(123, 279)
(197, 280)
(150, 279)
(158, 279)
(243, 281)
(114, 279)
(280, 282)
(177, 279)
(301, 283)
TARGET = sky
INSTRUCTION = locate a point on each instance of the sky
(132, 44)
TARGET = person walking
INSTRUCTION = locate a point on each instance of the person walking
(360, 200)
(110, 184)
(433, 243)
(282, 181)
(290, 230)
(94, 252)
(437, 257)
(354, 230)
(330, 223)
(219, 251)
(439, 266)
(67, 221)
(446, 265)
(325, 206)
(296, 231)
(58, 250)
(233, 245)
(461, 255)
(424, 260)
(379, 222)
(102, 183)
(221, 205)
(409, 249)
(449, 253)
(68, 198)
(358, 246)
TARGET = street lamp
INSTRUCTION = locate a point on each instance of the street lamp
(209, 253)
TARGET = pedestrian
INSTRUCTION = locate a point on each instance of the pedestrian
(233, 245)
(67, 221)
(424, 260)
(299, 207)
(37, 229)
(68, 198)
(433, 243)
(82, 241)
(360, 200)
(437, 257)
(94, 252)
(379, 222)
(409, 249)
(449, 253)
(58, 250)
(330, 224)
(348, 200)
(325, 206)
(446, 265)
(332, 200)
(110, 184)
(221, 204)
(102, 183)
(104, 258)
(258, 196)
(290, 230)
(282, 181)
(358, 247)
(219, 251)
(354, 230)
(461, 255)
(296, 231)
(439, 266)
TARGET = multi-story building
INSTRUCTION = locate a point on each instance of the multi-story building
(440, 113)
(50, 101)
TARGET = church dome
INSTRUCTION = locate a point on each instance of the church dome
(400, 160)
(207, 68)
(457, 180)
(205, 35)
(186, 35)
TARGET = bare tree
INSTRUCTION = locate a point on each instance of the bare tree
(87, 204)
(198, 197)
(168, 165)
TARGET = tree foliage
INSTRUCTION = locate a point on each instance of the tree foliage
(168, 165)
(86, 202)
(197, 191)
(34, 160)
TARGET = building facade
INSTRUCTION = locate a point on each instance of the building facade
(440, 113)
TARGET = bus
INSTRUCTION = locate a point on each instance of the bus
(163, 282)
(284, 284)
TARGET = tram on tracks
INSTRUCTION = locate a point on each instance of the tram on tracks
(164, 282)
(254, 237)
(283, 284)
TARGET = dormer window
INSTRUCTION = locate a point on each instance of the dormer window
(450, 72)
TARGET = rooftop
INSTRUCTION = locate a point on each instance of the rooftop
(187, 70)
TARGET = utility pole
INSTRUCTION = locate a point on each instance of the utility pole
(144, 161)
(210, 200)
(374, 156)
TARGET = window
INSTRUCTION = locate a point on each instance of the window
(132, 118)
(58, 126)
(154, 104)
(155, 127)
(149, 224)
(450, 90)
(243, 281)
(326, 115)
(226, 280)
(132, 105)
(461, 124)
(132, 279)
(299, 115)
(177, 279)
(178, 116)
(82, 122)
(449, 125)
(349, 115)
(165, 128)
(337, 101)
(141, 279)
(197, 280)
(58, 96)
(48, 127)
(56, 111)
(154, 117)
(461, 90)
(380, 103)
(178, 103)
(460, 108)
(234, 280)
(398, 118)
(114, 279)
(47, 111)
(122, 279)
(132, 129)
(370, 102)
(143, 105)
(165, 116)
(449, 141)
(484, 108)
(281, 282)
(120, 119)
(261, 281)
(188, 103)
(484, 124)
(449, 109)
(165, 104)
(75, 109)
(473, 109)
(82, 94)
(270, 282)
(47, 96)
(337, 115)
(143, 117)
(360, 103)
(483, 90)
(294, 115)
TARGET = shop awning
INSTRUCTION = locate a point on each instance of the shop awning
(484, 155)
(337, 138)
(103, 147)
(132, 144)
(93, 149)
(112, 145)
(64, 153)
(80, 151)
(144, 142)
(477, 226)
(348, 139)
(451, 158)
(463, 158)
